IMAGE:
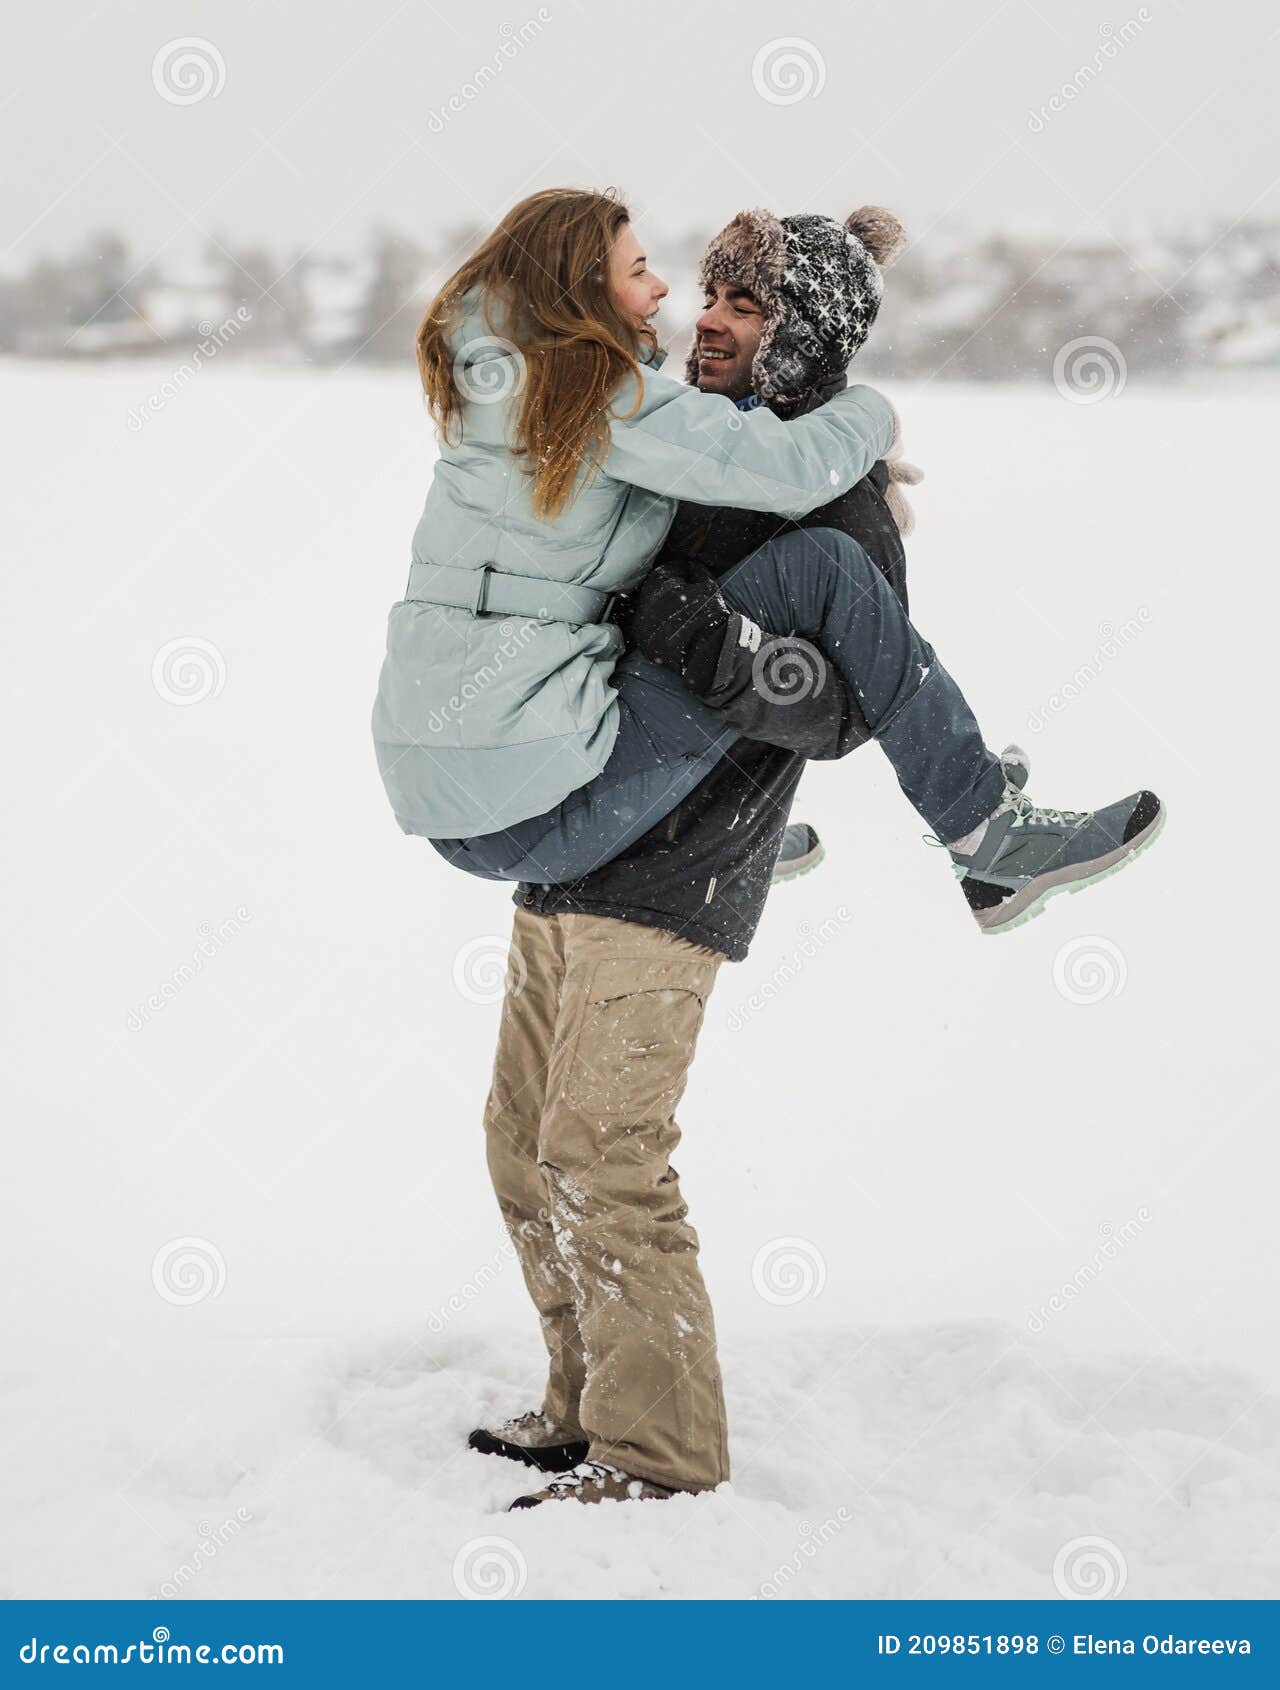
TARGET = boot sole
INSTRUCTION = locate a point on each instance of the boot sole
(555, 1458)
(1024, 906)
(802, 865)
(582, 1501)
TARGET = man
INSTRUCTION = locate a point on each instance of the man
(611, 973)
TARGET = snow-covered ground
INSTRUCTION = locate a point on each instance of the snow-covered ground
(989, 1225)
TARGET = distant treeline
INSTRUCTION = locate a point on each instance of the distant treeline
(958, 304)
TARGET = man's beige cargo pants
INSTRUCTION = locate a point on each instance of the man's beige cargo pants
(598, 1030)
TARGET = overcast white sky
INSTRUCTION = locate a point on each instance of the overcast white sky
(321, 125)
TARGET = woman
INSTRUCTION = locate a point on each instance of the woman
(510, 729)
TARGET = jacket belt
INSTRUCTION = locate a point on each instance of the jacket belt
(488, 591)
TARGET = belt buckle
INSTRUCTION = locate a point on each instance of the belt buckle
(482, 591)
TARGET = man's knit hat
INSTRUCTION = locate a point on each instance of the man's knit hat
(818, 284)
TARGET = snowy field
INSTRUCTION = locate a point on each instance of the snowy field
(989, 1225)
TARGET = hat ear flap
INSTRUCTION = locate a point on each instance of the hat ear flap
(879, 231)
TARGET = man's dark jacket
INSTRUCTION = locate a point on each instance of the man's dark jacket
(704, 871)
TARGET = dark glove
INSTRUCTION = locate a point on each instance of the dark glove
(679, 621)
(770, 689)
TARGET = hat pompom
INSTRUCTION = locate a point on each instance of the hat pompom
(879, 231)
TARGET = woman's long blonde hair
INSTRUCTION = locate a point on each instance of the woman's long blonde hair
(548, 262)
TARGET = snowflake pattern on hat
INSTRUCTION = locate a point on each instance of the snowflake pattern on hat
(830, 291)
(818, 284)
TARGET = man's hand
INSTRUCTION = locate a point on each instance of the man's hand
(679, 621)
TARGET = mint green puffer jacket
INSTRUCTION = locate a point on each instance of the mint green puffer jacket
(482, 721)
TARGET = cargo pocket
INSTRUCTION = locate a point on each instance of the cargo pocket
(636, 1038)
